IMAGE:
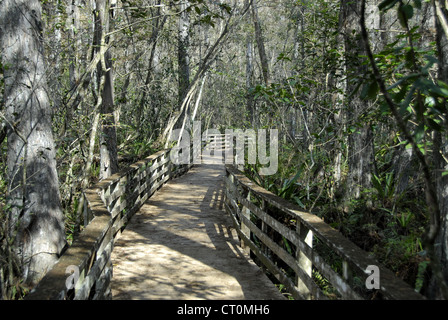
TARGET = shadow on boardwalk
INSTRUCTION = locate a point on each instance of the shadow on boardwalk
(181, 245)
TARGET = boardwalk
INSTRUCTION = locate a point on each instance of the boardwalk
(181, 245)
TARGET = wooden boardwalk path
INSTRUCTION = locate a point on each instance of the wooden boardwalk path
(181, 245)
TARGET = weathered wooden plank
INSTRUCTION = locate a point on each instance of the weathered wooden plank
(231, 201)
(156, 175)
(292, 236)
(84, 291)
(272, 267)
(281, 253)
(391, 286)
(103, 286)
(108, 207)
(335, 279)
(289, 234)
(79, 254)
(159, 162)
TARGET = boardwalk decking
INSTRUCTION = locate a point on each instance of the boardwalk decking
(181, 245)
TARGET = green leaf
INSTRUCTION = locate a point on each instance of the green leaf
(373, 90)
(419, 132)
(434, 125)
(399, 96)
(408, 11)
(405, 103)
(384, 109)
(404, 13)
(421, 147)
(387, 4)
(442, 92)
(420, 279)
(288, 183)
(418, 4)
(408, 146)
(401, 80)
(370, 90)
(300, 203)
(376, 182)
(226, 7)
(442, 84)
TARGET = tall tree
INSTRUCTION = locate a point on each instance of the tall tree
(35, 217)
(183, 58)
(108, 138)
(360, 141)
(260, 44)
(441, 147)
(249, 75)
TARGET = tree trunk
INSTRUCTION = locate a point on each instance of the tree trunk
(35, 218)
(440, 152)
(72, 27)
(338, 87)
(183, 59)
(108, 137)
(249, 76)
(157, 27)
(360, 141)
(260, 44)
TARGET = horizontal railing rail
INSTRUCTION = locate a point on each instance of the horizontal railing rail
(84, 270)
(308, 257)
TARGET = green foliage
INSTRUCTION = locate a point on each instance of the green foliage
(405, 11)
(407, 70)
(11, 283)
(386, 221)
(384, 186)
(281, 287)
(420, 279)
(288, 188)
(408, 66)
(138, 148)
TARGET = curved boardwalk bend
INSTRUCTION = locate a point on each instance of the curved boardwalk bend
(157, 230)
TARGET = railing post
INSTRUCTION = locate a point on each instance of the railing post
(170, 167)
(85, 210)
(264, 228)
(162, 159)
(304, 262)
(156, 170)
(138, 184)
(346, 272)
(244, 228)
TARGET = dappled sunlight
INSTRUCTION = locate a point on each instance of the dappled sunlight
(181, 245)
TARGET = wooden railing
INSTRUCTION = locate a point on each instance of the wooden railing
(84, 270)
(308, 258)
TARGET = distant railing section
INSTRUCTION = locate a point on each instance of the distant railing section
(308, 258)
(84, 270)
